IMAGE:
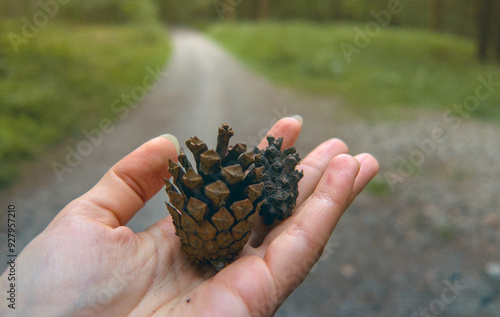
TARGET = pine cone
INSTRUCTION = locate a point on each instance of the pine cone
(213, 209)
(280, 180)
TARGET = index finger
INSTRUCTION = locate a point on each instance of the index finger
(287, 128)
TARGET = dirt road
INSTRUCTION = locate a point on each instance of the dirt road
(394, 253)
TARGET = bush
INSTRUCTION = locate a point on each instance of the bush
(400, 67)
(64, 81)
(110, 11)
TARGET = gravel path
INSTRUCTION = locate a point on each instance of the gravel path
(429, 248)
(396, 253)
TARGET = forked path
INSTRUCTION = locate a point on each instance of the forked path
(386, 257)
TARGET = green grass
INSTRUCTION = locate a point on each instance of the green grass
(446, 232)
(400, 67)
(64, 80)
(378, 187)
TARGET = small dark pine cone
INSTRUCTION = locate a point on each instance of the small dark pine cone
(280, 180)
(213, 207)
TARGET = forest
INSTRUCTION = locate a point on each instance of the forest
(469, 18)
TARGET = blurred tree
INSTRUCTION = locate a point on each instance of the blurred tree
(336, 6)
(232, 13)
(173, 11)
(437, 9)
(484, 27)
(178, 11)
(110, 11)
(497, 15)
(17, 8)
(226, 9)
(2, 67)
(247, 10)
(263, 9)
(201, 10)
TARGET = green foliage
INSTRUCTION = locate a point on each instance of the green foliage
(400, 67)
(459, 15)
(64, 80)
(446, 232)
(192, 11)
(111, 11)
(378, 187)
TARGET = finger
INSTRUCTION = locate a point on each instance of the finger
(287, 128)
(313, 166)
(369, 168)
(130, 183)
(293, 253)
(259, 231)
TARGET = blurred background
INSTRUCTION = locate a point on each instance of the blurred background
(416, 83)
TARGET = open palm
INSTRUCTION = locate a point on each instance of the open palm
(88, 263)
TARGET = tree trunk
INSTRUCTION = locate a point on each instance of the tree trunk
(484, 29)
(263, 9)
(436, 14)
(232, 14)
(497, 14)
(337, 9)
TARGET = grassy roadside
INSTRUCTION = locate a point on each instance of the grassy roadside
(64, 80)
(400, 67)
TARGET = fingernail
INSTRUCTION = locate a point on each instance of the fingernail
(298, 118)
(360, 158)
(174, 140)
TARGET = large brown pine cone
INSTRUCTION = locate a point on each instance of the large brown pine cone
(213, 207)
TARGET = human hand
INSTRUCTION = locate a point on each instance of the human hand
(87, 262)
